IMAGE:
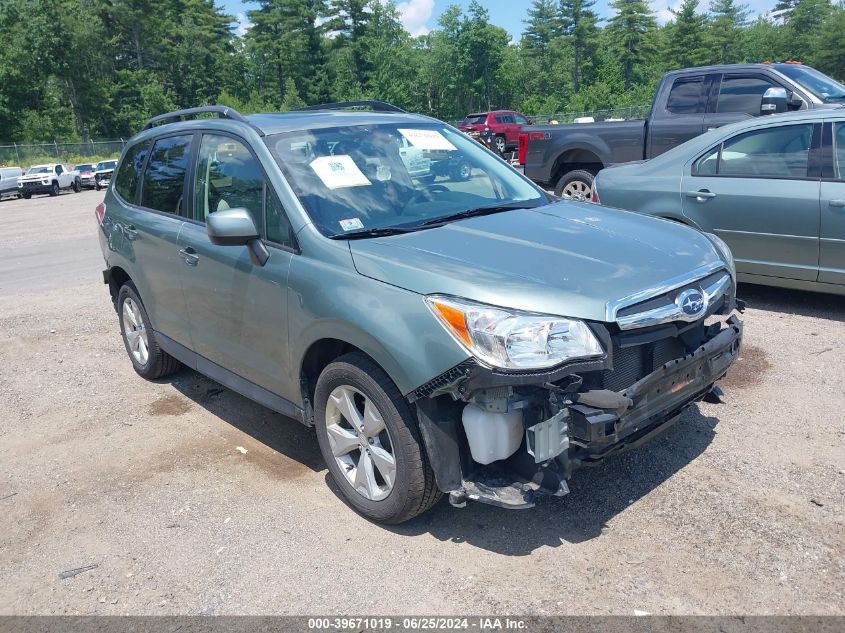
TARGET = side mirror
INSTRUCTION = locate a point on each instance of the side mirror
(234, 227)
(774, 100)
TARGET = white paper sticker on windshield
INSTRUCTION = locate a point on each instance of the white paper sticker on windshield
(351, 224)
(337, 172)
(427, 139)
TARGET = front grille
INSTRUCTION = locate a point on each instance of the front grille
(668, 298)
(630, 364)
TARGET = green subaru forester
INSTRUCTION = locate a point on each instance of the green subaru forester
(445, 325)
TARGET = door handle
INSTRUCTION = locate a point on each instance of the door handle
(130, 232)
(190, 256)
(701, 196)
(837, 202)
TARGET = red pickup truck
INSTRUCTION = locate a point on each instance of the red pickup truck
(504, 124)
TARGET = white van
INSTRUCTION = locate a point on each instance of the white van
(9, 180)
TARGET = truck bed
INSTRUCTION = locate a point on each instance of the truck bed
(611, 141)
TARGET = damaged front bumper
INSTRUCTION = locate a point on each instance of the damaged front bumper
(568, 421)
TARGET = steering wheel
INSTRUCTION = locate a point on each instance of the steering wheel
(424, 194)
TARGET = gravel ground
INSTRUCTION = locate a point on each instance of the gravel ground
(186, 498)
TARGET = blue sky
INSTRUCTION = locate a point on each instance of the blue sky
(420, 16)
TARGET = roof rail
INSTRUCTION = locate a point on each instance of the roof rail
(224, 112)
(376, 106)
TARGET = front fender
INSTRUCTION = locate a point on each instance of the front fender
(331, 300)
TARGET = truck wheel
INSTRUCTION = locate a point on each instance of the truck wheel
(54, 189)
(369, 439)
(26, 196)
(461, 171)
(148, 359)
(77, 186)
(576, 184)
(499, 144)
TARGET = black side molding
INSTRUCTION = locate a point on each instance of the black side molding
(231, 380)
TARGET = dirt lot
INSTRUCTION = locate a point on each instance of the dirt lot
(737, 509)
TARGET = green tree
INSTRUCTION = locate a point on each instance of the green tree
(286, 43)
(541, 27)
(727, 21)
(803, 26)
(631, 37)
(829, 54)
(579, 25)
(686, 44)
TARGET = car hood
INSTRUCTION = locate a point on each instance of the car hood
(566, 258)
(36, 176)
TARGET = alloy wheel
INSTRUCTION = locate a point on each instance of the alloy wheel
(135, 332)
(577, 190)
(360, 442)
(500, 145)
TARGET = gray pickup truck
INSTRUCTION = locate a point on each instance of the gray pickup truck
(688, 102)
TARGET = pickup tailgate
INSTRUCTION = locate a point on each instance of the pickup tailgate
(578, 143)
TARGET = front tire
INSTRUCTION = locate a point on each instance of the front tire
(54, 189)
(77, 186)
(576, 184)
(26, 196)
(148, 359)
(370, 441)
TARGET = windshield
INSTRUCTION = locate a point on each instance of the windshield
(40, 169)
(106, 164)
(407, 175)
(86, 167)
(475, 119)
(827, 89)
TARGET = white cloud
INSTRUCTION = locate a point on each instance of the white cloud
(414, 15)
(244, 24)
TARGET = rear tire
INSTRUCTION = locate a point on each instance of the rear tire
(499, 145)
(412, 489)
(54, 189)
(148, 359)
(576, 184)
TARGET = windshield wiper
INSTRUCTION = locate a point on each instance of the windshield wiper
(376, 232)
(472, 213)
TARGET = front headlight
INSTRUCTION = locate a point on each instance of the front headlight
(724, 251)
(509, 339)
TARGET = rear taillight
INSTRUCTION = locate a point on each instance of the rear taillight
(594, 195)
(522, 144)
(100, 212)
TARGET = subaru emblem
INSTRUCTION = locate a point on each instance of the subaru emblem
(691, 302)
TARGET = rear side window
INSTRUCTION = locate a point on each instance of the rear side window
(685, 96)
(475, 119)
(164, 178)
(126, 182)
(780, 152)
(742, 94)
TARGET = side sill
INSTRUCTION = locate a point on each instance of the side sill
(230, 379)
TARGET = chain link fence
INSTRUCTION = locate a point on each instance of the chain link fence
(611, 114)
(24, 155)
